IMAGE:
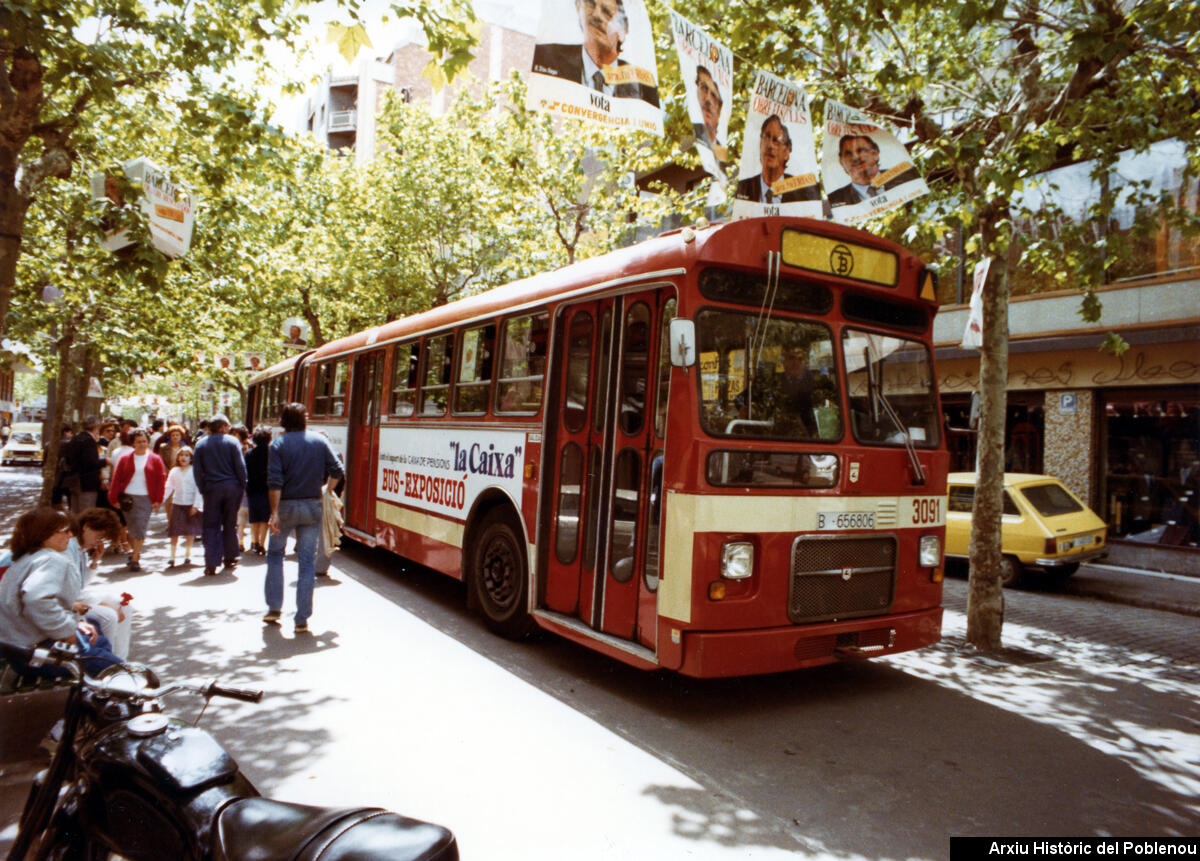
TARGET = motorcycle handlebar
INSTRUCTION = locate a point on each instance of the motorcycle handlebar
(243, 694)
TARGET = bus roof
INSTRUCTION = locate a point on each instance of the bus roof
(666, 254)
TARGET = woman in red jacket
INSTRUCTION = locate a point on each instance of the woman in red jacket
(140, 476)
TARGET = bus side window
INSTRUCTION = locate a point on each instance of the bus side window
(663, 390)
(404, 380)
(523, 365)
(439, 354)
(324, 379)
(337, 393)
(475, 371)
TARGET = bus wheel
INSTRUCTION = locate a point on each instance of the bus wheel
(498, 576)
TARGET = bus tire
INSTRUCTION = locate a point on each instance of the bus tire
(499, 576)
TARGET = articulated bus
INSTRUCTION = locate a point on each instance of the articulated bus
(717, 452)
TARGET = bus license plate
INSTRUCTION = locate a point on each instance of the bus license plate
(845, 520)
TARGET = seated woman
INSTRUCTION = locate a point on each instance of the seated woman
(40, 595)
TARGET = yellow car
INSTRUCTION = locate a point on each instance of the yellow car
(1043, 526)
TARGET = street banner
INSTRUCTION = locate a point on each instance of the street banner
(778, 173)
(707, 69)
(972, 338)
(865, 168)
(594, 61)
(168, 209)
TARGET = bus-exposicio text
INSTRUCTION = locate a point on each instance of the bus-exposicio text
(717, 452)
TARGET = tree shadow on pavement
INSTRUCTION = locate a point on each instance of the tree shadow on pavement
(873, 759)
(175, 645)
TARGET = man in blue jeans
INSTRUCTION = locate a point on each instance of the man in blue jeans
(220, 473)
(300, 463)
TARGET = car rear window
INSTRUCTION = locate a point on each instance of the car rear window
(1051, 500)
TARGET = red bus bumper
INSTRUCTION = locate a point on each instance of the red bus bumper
(709, 654)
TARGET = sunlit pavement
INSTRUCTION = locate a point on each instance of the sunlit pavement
(539, 750)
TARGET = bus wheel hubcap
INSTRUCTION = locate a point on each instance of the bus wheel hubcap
(500, 572)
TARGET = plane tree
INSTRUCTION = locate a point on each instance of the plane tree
(992, 94)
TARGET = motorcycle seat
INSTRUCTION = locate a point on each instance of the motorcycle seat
(262, 829)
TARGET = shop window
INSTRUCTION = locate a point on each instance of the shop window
(1152, 465)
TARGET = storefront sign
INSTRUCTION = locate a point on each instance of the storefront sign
(1149, 365)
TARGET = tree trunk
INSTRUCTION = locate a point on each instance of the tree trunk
(985, 596)
(13, 206)
(61, 388)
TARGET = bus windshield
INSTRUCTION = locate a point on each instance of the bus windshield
(890, 383)
(767, 378)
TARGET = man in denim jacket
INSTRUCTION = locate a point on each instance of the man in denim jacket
(299, 465)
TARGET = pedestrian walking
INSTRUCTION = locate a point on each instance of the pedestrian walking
(242, 435)
(83, 466)
(185, 517)
(300, 463)
(220, 473)
(136, 487)
(256, 489)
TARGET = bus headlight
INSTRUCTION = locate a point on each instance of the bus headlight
(929, 551)
(737, 560)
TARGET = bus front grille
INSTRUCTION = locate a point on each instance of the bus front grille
(841, 577)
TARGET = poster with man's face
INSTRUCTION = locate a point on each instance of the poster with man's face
(295, 333)
(866, 169)
(778, 173)
(594, 61)
(707, 69)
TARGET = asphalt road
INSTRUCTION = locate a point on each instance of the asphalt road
(1087, 724)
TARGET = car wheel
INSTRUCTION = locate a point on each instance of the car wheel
(499, 576)
(1011, 572)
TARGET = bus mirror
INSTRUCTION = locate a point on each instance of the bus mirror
(683, 342)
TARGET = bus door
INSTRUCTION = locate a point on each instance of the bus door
(605, 444)
(362, 447)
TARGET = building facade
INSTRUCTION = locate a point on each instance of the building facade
(1122, 431)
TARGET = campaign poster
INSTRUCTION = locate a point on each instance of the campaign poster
(707, 69)
(255, 362)
(594, 61)
(866, 169)
(778, 173)
(295, 333)
(224, 361)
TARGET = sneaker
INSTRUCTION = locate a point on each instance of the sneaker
(272, 617)
(171, 563)
(133, 565)
(301, 628)
(210, 572)
(231, 564)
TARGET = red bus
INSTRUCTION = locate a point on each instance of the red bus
(717, 452)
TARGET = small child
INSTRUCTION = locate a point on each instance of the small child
(186, 518)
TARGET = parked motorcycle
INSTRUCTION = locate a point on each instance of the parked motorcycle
(127, 780)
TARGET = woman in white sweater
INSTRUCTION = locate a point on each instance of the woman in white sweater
(186, 519)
